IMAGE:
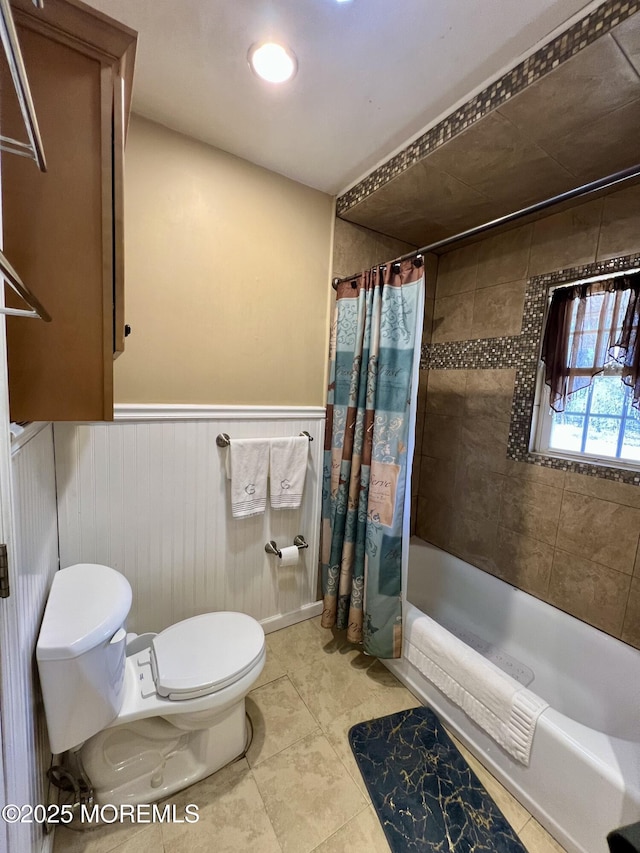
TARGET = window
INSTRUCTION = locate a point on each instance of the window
(598, 422)
(588, 388)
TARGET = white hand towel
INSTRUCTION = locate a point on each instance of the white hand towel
(287, 472)
(248, 468)
(506, 710)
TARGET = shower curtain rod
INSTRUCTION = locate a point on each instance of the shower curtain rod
(585, 189)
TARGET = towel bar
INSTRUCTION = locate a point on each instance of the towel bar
(223, 440)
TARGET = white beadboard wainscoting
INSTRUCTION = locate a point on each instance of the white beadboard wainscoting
(148, 495)
(35, 561)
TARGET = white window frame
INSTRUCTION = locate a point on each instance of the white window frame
(541, 432)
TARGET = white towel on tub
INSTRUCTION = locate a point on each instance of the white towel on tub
(506, 710)
(288, 469)
(247, 468)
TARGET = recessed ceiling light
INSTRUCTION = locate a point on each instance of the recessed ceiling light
(273, 62)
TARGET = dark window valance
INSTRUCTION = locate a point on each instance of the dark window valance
(588, 326)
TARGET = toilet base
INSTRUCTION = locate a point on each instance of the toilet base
(147, 760)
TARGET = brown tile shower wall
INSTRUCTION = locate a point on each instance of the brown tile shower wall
(569, 539)
(356, 248)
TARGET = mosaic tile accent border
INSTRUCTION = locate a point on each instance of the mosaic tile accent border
(548, 57)
(522, 352)
(481, 354)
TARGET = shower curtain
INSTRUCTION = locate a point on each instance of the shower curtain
(373, 340)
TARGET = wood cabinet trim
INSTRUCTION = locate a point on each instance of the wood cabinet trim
(76, 20)
(83, 28)
(119, 127)
(107, 80)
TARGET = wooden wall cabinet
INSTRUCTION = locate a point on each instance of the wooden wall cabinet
(63, 229)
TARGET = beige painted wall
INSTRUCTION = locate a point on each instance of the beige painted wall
(227, 278)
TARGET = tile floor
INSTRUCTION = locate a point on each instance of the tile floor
(298, 789)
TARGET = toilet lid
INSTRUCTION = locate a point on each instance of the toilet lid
(204, 654)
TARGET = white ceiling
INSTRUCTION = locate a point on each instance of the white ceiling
(372, 73)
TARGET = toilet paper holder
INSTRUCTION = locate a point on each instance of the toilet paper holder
(272, 548)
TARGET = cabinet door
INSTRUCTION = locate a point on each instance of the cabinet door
(63, 229)
(54, 236)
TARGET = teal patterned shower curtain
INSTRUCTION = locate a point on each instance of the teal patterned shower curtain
(373, 340)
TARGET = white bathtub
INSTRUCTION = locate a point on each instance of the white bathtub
(583, 779)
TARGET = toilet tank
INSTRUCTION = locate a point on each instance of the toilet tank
(81, 652)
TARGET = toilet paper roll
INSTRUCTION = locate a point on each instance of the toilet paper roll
(290, 555)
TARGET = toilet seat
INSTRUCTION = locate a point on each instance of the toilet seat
(204, 654)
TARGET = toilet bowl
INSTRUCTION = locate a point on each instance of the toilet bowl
(154, 720)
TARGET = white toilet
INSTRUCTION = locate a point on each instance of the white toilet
(151, 715)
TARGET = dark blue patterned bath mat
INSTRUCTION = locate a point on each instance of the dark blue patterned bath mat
(426, 795)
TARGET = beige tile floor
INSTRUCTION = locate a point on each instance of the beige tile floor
(298, 789)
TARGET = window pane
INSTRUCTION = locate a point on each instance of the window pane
(631, 443)
(586, 354)
(566, 431)
(577, 402)
(592, 308)
(609, 393)
(632, 413)
(602, 436)
(610, 317)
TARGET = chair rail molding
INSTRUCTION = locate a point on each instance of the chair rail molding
(180, 411)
